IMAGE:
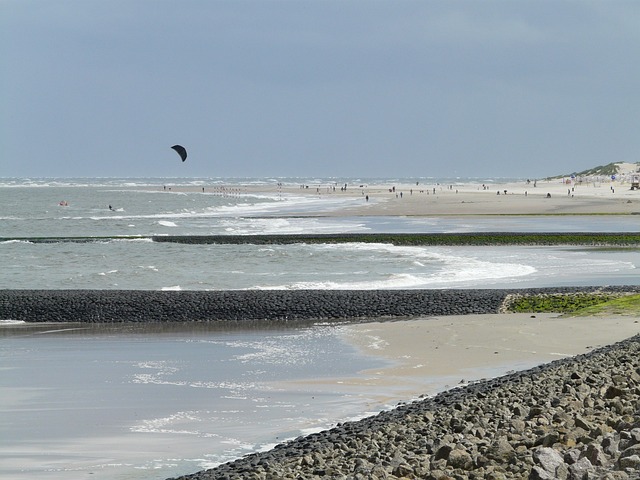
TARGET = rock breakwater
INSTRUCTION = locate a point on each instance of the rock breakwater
(100, 306)
(574, 419)
(458, 238)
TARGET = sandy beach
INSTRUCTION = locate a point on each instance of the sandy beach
(431, 354)
(560, 196)
(547, 198)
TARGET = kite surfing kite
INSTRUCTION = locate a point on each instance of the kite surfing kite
(181, 151)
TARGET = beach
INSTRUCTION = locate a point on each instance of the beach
(432, 354)
(562, 196)
(548, 198)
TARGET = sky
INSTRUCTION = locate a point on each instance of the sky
(322, 88)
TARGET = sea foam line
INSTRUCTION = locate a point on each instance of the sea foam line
(9, 323)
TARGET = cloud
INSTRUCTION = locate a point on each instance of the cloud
(319, 87)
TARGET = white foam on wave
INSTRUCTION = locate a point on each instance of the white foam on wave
(156, 373)
(9, 323)
(393, 281)
(178, 423)
(164, 373)
(232, 386)
(426, 267)
(8, 242)
(466, 269)
(151, 379)
(283, 349)
(279, 225)
(132, 240)
(261, 205)
(166, 223)
(108, 273)
(271, 204)
(470, 275)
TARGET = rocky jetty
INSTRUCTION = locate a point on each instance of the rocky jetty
(101, 306)
(576, 418)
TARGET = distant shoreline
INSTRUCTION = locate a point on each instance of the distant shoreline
(599, 195)
(557, 196)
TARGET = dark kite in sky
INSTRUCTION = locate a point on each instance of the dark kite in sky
(181, 151)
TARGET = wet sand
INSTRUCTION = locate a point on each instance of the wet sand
(428, 355)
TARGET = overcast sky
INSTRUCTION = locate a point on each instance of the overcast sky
(317, 88)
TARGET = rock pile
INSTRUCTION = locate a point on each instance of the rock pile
(573, 419)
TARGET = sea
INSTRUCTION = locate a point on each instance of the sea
(156, 401)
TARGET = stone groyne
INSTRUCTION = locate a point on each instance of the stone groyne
(602, 239)
(576, 418)
(103, 306)
(611, 239)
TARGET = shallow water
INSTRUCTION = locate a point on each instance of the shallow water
(155, 401)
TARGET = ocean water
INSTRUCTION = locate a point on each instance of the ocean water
(142, 402)
(144, 207)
